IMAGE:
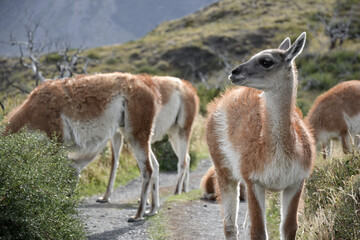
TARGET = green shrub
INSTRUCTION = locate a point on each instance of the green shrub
(162, 65)
(165, 155)
(111, 61)
(93, 55)
(325, 71)
(273, 214)
(135, 56)
(148, 69)
(38, 195)
(206, 95)
(303, 105)
(52, 58)
(167, 158)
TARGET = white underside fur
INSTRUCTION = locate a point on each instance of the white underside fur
(89, 137)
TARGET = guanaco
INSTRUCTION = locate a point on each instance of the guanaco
(179, 107)
(86, 111)
(256, 134)
(336, 114)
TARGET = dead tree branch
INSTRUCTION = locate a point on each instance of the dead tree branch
(337, 26)
(30, 50)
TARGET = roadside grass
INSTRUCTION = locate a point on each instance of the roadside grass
(158, 228)
(94, 178)
(189, 196)
(159, 224)
(332, 197)
(330, 206)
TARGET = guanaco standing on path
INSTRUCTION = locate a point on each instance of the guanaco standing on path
(256, 134)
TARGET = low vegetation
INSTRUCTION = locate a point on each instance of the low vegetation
(159, 228)
(38, 194)
(94, 178)
(331, 201)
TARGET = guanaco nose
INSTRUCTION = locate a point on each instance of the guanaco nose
(236, 71)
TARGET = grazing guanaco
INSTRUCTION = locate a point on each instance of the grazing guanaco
(336, 114)
(86, 111)
(256, 134)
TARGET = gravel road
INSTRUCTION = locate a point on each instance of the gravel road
(197, 219)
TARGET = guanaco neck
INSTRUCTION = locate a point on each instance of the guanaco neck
(279, 112)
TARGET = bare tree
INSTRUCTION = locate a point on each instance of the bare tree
(6, 84)
(30, 50)
(70, 58)
(68, 62)
(336, 26)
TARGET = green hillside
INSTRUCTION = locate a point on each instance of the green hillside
(228, 32)
(206, 44)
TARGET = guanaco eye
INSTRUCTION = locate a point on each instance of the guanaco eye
(266, 63)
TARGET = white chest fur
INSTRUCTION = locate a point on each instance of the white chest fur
(281, 172)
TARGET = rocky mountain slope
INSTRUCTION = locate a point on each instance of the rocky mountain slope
(90, 23)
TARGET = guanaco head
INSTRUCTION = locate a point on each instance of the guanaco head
(268, 69)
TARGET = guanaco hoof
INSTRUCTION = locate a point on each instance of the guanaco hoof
(101, 200)
(133, 219)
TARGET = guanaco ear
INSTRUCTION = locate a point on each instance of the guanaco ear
(285, 44)
(296, 48)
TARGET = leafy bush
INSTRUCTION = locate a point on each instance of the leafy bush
(38, 195)
(52, 58)
(325, 71)
(197, 150)
(149, 70)
(166, 156)
(93, 55)
(113, 61)
(162, 65)
(303, 105)
(205, 96)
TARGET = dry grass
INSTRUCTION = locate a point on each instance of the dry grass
(330, 207)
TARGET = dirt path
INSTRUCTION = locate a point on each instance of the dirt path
(197, 219)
